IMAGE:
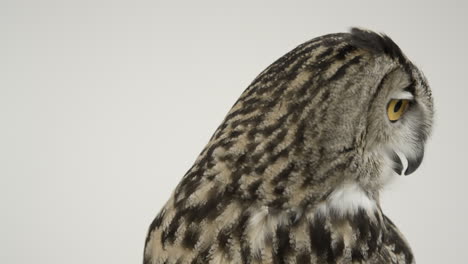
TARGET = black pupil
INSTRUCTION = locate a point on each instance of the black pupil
(398, 106)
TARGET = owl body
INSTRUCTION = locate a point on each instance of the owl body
(293, 173)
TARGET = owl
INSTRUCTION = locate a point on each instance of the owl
(293, 173)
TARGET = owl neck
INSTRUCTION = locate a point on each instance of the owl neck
(347, 225)
(347, 200)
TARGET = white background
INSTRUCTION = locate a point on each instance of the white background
(104, 105)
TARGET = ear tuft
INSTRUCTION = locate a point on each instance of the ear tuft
(376, 43)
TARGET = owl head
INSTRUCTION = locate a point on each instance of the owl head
(345, 107)
(382, 108)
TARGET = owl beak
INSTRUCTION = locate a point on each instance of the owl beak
(414, 162)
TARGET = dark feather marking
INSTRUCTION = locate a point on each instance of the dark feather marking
(278, 203)
(256, 157)
(191, 237)
(320, 238)
(310, 171)
(268, 151)
(248, 106)
(261, 168)
(279, 189)
(224, 236)
(373, 239)
(214, 207)
(303, 257)
(241, 225)
(342, 70)
(284, 247)
(232, 189)
(202, 257)
(273, 140)
(257, 119)
(268, 130)
(338, 249)
(240, 160)
(283, 175)
(245, 253)
(356, 254)
(360, 222)
(168, 234)
(378, 44)
(253, 188)
(235, 133)
(217, 133)
(187, 186)
(282, 153)
(154, 225)
(324, 54)
(392, 237)
(343, 52)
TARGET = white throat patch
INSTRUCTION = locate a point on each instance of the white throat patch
(347, 200)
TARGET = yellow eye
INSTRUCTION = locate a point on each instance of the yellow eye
(396, 108)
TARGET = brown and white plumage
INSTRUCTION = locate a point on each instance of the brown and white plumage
(293, 173)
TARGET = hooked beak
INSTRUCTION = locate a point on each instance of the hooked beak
(413, 162)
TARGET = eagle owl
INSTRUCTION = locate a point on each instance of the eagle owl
(293, 173)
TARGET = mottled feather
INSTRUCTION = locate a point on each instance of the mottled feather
(293, 173)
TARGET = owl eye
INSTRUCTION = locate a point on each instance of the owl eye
(396, 108)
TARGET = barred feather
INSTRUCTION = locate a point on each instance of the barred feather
(262, 190)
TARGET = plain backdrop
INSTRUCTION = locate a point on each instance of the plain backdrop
(104, 105)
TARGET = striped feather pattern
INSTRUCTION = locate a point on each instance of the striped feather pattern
(299, 130)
